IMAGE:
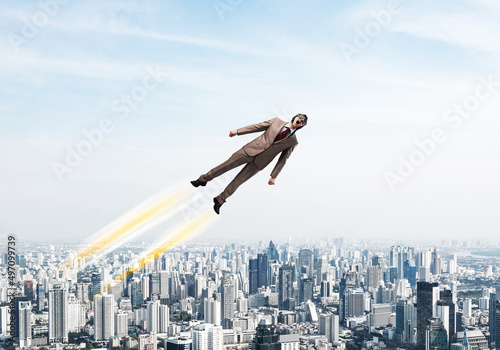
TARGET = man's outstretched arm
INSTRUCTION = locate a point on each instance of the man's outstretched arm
(252, 128)
(280, 164)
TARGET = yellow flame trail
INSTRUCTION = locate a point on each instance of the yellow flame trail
(169, 242)
(115, 234)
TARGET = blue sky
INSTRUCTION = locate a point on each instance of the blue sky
(225, 64)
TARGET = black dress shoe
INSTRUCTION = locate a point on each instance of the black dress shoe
(197, 183)
(217, 206)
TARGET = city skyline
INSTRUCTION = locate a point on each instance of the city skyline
(105, 105)
(328, 294)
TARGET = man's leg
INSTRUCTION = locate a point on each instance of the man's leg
(238, 158)
(246, 173)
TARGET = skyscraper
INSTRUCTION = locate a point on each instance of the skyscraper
(23, 321)
(145, 286)
(4, 320)
(253, 275)
(447, 297)
(426, 305)
(228, 291)
(212, 311)
(443, 313)
(406, 321)
(494, 321)
(82, 292)
(467, 307)
(95, 287)
(436, 337)
(266, 337)
(335, 328)
(286, 299)
(272, 252)
(76, 314)
(350, 280)
(29, 290)
(207, 337)
(164, 319)
(135, 292)
(262, 280)
(121, 324)
(306, 289)
(306, 262)
(464, 345)
(58, 312)
(355, 300)
(397, 257)
(329, 326)
(40, 293)
(435, 262)
(154, 285)
(410, 272)
(258, 273)
(164, 277)
(153, 312)
(104, 326)
(373, 277)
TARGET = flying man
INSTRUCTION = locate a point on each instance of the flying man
(278, 137)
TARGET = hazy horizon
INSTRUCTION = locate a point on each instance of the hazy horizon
(105, 105)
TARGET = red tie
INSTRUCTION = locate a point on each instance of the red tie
(282, 134)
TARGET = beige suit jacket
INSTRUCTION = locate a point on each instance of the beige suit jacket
(263, 147)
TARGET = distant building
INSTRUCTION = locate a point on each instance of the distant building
(436, 337)
(148, 341)
(207, 337)
(329, 326)
(121, 324)
(306, 289)
(355, 301)
(23, 321)
(266, 337)
(494, 320)
(289, 341)
(447, 297)
(350, 280)
(373, 277)
(228, 292)
(462, 346)
(258, 273)
(406, 321)
(286, 299)
(306, 262)
(410, 272)
(212, 311)
(135, 292)
(272, 252)
(476, 339)
(58, 312)
(153, 314)
(178, 343)
(104, 318)
(427, 297)
(380, 315)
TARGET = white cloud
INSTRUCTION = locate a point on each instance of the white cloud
(472, 27)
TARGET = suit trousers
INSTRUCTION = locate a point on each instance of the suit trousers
(238, 158)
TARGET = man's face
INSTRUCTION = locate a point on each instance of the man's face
(297, 122)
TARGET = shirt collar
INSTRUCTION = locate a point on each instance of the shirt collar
(288, 125)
